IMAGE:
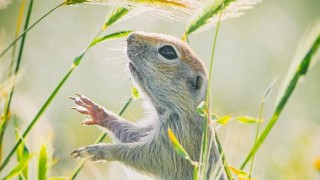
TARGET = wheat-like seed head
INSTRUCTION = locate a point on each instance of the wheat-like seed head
(209, 16)
(173, 10)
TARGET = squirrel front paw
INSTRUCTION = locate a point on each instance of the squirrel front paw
(93, 153)
(86, 106)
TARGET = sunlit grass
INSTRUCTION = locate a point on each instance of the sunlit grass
(209, 16)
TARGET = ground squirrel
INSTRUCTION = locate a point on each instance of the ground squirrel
(174, 82)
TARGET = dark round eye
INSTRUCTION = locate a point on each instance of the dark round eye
(168, 52)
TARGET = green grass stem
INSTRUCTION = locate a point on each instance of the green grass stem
(29, 28)
(205, 149)
(36, 118)
(301, 70)
(19, 22)
(196, 171)
(207, 119)
(223, 157)
(256, 137)
(204, 18)
(19, 59)
(10, 69)
(76, 62)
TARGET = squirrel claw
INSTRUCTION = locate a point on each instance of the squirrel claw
(76, 153)
(72, 98)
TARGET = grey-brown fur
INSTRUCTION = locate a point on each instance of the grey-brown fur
(169, 87)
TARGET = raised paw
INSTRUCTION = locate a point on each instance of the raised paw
(86, 106)
(93, 153)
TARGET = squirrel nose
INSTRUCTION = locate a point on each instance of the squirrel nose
(135, 36)
(131, 38)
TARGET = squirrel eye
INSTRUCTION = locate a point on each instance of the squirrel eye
(168, 52)
(196, 84)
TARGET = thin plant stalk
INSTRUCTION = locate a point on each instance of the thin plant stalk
(205, 151)
(36, 118)
(19, 59)
(301, 70)
(99, 140)
(19, 22)
(56, 90)
(29, 28)
(195, 172)
(256, 138)
(223, 157)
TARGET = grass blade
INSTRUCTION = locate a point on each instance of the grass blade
(238, 172)
(23, 163)
(8, 102)
(248, 120)
(70, 2)
(223, 157)
(58, 178)
(56, 90)
(224, 119)
(210, 15)
(19, 168)
(42, 163)
(182, 152)
(115, 16)
(36, 118)
(19, 22)
(257, 132)
(207, 119)
(177, 10)
(10, 69)
(21, 150)
(29, 28)
(116, 35)
(177, 146)
(300, 71)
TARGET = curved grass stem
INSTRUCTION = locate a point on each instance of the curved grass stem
(36, 118)
(19, 59)
(256, 138)
(29, 28)
(301, 70)
(56, 90)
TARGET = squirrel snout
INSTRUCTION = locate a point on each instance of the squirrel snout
(130, 38)
(135, 36)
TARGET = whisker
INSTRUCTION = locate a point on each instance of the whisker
(122, 57)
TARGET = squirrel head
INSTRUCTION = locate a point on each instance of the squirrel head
(167, 70)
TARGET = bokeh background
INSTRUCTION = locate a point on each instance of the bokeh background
(251, 51)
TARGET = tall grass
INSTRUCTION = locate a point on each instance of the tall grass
(300, 70)
(28, 29)
(76, 62)
(6, 110)
(211, 14)
(10, 73)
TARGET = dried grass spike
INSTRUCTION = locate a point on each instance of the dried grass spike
(174, 10)
(209, 16)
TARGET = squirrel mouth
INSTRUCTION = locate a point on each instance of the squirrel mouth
(134, 72)
(132, 68)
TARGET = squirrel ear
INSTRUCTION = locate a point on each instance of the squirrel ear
(196, 83)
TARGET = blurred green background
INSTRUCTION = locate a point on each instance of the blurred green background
(251, 51)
